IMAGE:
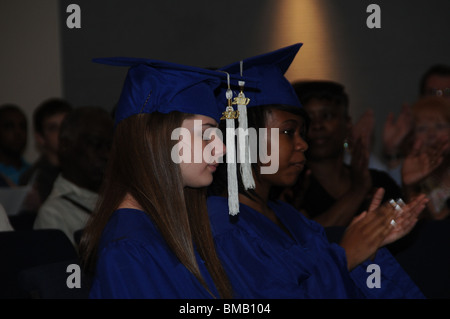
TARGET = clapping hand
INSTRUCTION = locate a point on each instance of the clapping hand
(422, 161)
(379, 226)
(395, 131)
(363, 129)
(405, 218)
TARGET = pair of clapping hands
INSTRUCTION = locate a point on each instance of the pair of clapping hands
(423, 157)
(380, 225)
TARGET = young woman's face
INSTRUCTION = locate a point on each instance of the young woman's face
(290, 145)
(328, 130)
(202, 148)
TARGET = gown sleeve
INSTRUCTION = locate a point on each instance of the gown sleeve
(394, 282)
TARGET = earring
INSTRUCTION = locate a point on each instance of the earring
(346, 144)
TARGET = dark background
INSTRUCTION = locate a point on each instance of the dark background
(380, 68)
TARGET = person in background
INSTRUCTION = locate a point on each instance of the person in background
(84, 144)
(330, 191)
(47, 119)
(424, 167)
(13, 140)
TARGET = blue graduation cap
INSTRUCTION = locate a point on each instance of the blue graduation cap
(269, 69)
(159, 86)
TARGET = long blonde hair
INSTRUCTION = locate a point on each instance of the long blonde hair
(154, 180)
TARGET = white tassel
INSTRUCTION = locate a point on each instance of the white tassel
(233, 195)
(243, 140)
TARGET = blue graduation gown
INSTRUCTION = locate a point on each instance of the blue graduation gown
(134, 261)
(262, 261)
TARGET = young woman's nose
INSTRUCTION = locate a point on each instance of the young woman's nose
(220, 150)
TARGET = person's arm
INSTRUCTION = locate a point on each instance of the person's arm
(344, 209)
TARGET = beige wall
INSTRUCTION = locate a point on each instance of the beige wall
(30, 59)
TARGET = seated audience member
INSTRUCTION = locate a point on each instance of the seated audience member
(47, 120)
(423, 253)
(426, 168)
(84, 143)
(268, 248)
(330, 191)
(13, 140)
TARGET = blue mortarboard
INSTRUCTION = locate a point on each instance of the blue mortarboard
(269, 69)
(153, 85)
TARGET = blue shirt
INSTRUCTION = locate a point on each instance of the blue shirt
(262, 261)
(13, 173)
(134, 261)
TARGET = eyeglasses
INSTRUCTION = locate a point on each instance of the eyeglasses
(438, 127)
(439, 92)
